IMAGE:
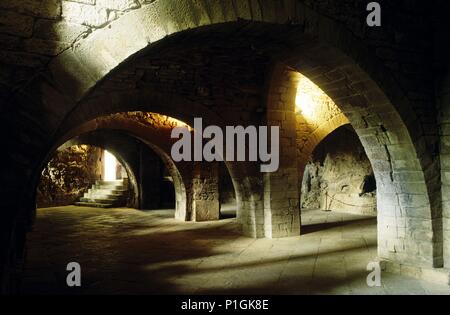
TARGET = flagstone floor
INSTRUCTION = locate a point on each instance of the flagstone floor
(126, 251)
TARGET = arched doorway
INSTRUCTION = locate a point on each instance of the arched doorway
(338, 192)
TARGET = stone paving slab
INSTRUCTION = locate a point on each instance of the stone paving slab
(126, 251)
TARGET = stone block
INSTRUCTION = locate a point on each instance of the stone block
(91, 2)
(411, 200)
(23, 59)
(119, 5)
(445, 161)
(86, 14)
(407, 176)
(16, 24)
(48, 9)
(206, 210)
(436, 275)
(45, 47)
(58, 30)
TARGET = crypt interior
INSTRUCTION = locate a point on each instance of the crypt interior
(90, 91)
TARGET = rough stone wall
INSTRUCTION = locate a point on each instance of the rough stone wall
(68, 175)
(339, 176)
(152, 120)
(205, 192)
(34, 31)
(204, 73)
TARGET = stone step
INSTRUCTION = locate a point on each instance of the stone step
(105, 194)
(108, 191)
(101, 196)
(99, 200)
(93, 204)
(111, 192)
(109, 182)
(115, 183)
(112, 187)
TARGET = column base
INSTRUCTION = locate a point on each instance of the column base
(435, 275)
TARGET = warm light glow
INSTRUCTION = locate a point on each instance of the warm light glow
(310, 99)
(156, 120)
(305, 103)
(110, 165)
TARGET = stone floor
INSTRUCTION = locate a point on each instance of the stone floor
(125, 251)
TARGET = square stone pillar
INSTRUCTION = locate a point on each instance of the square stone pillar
(281, 192)
(205, 192)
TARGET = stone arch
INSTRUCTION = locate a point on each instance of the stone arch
(308, 57)
(244, 177)
(180, 189)
(403, 194)
(318, 135)
(87, 139)
(387, 141)
(281, 97)
(44, 103)
(155, 132)
(156, 139)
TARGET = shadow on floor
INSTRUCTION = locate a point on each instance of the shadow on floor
(125, 251)
(312, 228)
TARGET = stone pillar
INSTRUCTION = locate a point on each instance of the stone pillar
(205, 192)
(281, 195)
(281, 192)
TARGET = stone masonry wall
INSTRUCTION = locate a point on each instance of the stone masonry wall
(68, 175)
(316, 116)
(339, 176)
(34, 31)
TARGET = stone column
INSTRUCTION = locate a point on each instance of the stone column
(205, 192)
(281, 192)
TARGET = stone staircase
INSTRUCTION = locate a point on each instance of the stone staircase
(105, 194)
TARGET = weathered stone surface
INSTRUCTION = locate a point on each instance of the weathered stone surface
(23, 59)
(86, 14)
(206, 210)
(58, 31)
(120, 5)
(16, 24)
(49, 9)
(92, 2)
(45, 47)
(69, 174)
(340, 176)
